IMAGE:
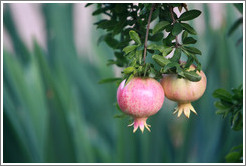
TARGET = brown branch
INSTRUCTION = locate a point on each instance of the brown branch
(176, 37)
(147, 31)
(185, 6)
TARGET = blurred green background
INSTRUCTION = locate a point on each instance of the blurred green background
(54, 110)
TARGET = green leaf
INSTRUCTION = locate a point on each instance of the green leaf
(223, 112)
(129, 70)
(156, 37)
(131, 55)
(122, 115)
(233, 157)
(160, 26)
(166, 51)
(129, 49)
(219, 105)
(134, 36)
(169, 28)
(106, 24)
(193, 50)
(139, 55)
(184, 35)
(239, 7)
(236, 154)
(176, 55)
(177, 28)
(237, 122)
(189, 15)
(189, 40)
(238, 148)
(235, 26)
(113, 43)
(160, 60)
(88, 4)
(189, 28)
(192, 76)
(129, 79)
(167, 42)
(180, 71)
(189, 62)
(108, 80)
(222, 94)
(160, 48)
(155, 14)
(169, 66)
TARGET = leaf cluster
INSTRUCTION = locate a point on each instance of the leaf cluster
(126, 30)
(235, 155)
(230, 103)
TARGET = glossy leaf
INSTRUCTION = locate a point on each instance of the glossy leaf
(156, 37)
(192, 76)
(189, 40)
(177, 28)
(176, 55)
(134, 36)
(184, 35)
(189, 15)
(169, 66)
(129, 79)
(166, 51)
(222, 94)
(129, 70)
(109, 80)
(237, 122)
(189, 28)
(160, 26)
(160, 60)
(233, 157)
(193, 50)
(129, 49)
(139, 55)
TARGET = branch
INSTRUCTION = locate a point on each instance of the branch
(185, 6)
(176, 37)
(147, 31)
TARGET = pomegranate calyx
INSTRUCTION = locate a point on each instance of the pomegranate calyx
(186, 108)
(141, 123)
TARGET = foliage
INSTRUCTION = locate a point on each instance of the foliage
(232, 103)
(127, 31)
(235, 155)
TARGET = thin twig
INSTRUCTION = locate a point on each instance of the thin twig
(147, 31)
(185, 6)
(176, 37)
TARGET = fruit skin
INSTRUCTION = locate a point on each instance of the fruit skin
(184, 91)
(140, 98)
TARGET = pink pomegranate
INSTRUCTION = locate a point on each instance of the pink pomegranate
(140, 98)
(184, 91)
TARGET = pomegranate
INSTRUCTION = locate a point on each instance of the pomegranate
(140, 98)
(184, 91)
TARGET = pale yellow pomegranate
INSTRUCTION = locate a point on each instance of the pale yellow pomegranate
(184, 91)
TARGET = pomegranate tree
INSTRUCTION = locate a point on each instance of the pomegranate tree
(184, 91)
(140, 98)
